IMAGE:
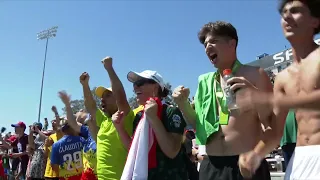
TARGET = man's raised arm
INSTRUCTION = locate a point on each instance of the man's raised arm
(65, 98)
(89, 101)
(117, 87)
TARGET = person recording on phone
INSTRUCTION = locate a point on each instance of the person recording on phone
(36, 140)
(45, 125)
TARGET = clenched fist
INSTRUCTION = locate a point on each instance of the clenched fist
(151, 108)
(118, 119)
(84, 78)
(107, 62)
(180, 95)
(248, 163)
(54, 109)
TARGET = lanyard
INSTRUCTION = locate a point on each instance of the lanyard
(223, 108)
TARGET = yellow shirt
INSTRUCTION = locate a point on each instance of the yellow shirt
(111, 154)
(49, 173)
(138, 109)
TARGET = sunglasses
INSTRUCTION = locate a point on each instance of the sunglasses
(142, 82)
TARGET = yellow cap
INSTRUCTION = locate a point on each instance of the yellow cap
(100, 90)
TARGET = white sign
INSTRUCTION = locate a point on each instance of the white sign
(286, 55)
(282, 56)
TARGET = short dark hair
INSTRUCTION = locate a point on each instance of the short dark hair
(163, 93)
(218, 28)
(313, 6)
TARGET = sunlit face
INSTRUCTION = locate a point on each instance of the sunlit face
(54, 124)
(108, 102)
(19, 130)
(296, 20)
(218, 49)
(144, 89)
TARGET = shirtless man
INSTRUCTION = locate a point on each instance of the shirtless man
(243, 129)
(297, 87)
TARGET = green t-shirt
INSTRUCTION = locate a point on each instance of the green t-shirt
(290, 129)
(111, 154)
(167, 168)
(5, 163)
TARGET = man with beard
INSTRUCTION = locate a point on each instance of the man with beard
(111, 155)
(296, 87)
(226, 133)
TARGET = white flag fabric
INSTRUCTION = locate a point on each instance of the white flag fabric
(136, 167)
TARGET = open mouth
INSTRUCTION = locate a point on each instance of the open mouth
(213, 58)
(290, 26)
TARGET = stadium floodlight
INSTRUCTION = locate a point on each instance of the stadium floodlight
(46, 34)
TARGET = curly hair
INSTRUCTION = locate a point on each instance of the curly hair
(218, 28)
(313, 6)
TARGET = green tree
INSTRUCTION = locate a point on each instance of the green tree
(133, 102)
(169, 98)
(78, 104)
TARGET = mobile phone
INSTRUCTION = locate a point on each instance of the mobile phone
(3, 129)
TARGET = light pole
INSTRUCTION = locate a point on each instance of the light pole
(46, 34)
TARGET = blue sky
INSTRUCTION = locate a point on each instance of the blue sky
(139, 35)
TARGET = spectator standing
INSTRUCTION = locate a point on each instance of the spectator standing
(226, 133)
(78, 124)
(38, 161)
(49, 173)
(296, 87)
(168, 160)
(66, 155)
(12, 164)
(21, 156)
(111, 155)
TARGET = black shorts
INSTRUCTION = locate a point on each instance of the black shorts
(15, 164)
(226, 168)
(24, 166)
